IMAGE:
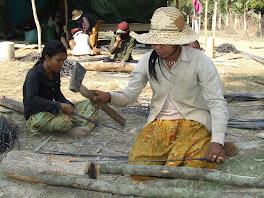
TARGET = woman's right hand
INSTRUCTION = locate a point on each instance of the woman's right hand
(118, 38)
(101, 96)
(67, 108)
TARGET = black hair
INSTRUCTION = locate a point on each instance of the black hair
(52, 48)
(152, 70)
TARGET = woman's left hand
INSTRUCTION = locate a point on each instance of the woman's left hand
(215, 153)
(67, 108)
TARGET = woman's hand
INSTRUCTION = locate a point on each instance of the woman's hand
(118, 38)
(101, 97)
(215, 153)
(67, 108)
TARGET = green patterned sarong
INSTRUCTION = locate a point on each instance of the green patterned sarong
(48, 122)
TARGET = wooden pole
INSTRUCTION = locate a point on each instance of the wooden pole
(205, 24)
(214, 20)
(37, 24)
(66, 21)
(260, 30)
(220, 22)
(195, 20)
(139, 190)
(208, 175)
(245, 22)
(235, 21)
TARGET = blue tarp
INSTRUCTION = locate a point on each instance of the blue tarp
(20, 10)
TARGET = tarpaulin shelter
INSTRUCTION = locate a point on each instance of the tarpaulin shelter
(108, 11)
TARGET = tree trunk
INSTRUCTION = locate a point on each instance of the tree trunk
(37, 24)
(82, 182)
(22, 162)
(110, 67)
(227, 20)
(220, 22)
(182, 172)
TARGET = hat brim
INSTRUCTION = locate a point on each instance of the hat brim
(76, 17)
(120, 31)
(168, 37)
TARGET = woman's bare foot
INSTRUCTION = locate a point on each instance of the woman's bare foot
(79, 131)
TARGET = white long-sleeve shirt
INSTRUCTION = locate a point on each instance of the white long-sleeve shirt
(193, 85)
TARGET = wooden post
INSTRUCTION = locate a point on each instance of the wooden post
(245, 22)
(37, 24)
(220, 21)
(205, 24)
(195, 20)
(66, 21)
(214, 20)
(235, 21)
(260, 30)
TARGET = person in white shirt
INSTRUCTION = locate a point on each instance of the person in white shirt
(188, 113)
(80, 44)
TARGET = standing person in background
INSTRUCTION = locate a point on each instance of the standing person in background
(121, 45)
(45, 107)
(188, 113)
(90, 24)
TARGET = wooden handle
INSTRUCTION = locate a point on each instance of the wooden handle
(108, 110)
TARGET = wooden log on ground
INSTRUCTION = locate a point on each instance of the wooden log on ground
(20, 163)
(256, 47)
(12, 104)
(110, 67)
(182, 172)
(140, 190)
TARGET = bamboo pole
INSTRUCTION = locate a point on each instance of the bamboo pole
(37, 24)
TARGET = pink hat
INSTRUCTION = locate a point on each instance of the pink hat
(123, 28)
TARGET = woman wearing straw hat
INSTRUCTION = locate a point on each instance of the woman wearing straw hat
(90, 24)
(188, 113)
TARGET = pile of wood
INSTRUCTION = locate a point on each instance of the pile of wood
(69, 172)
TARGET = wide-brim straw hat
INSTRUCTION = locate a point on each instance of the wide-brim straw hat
(76, 14)
(168, 28)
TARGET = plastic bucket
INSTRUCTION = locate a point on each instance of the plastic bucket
(31, 36)
(7, 50)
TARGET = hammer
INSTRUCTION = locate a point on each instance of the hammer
(76, 86)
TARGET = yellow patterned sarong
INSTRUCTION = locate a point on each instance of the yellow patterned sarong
(172, 139)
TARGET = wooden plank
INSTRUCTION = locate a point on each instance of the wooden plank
(12, 104)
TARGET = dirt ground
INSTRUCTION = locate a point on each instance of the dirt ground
(240, 75)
